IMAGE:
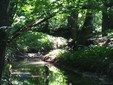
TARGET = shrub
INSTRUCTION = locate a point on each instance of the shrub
(37, 41)
(96, 58)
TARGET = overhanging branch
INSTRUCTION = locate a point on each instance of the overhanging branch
(28, 27)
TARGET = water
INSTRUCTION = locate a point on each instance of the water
(36, 72)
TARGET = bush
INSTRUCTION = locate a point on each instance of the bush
(96, 59)
(37, 41)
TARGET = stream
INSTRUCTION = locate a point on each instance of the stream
(37, 72)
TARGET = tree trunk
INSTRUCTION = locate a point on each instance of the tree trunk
(46, 75)
(4, 12)
(111, 18)
(86, 31)
(4, 21)
(46, 29)
(73, 24)
(2, 50)
(107, 19)
(105, 22)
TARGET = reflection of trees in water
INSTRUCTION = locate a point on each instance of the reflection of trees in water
(7, 73)
(36, 75)
(46, 75)
(30, 74)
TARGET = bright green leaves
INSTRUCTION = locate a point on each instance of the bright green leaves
(39, 41)
(33, 41)
(24, 13)
(27, 9)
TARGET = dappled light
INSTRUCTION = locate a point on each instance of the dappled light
(56, 42)
(39, 42)
(30, 73)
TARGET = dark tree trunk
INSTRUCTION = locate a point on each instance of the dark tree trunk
(107, 17)
(111, 18)
(73, 25)
(4, 12)
(2, 50)
(46, 75)
(4, 21)
(86, 31)
(105, 22)
(46, 27)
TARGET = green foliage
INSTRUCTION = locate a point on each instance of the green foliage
(57, 53)
(57, 77)
(60, 20)
(28, 11)
(96, 59)
(36, 74)
(34, 41)
(39, 42)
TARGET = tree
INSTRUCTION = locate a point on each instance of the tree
(8, 9)
(105, 21)
(73, 24)
(107, 16)
(20, 16)
(4, 21)
(87, 29)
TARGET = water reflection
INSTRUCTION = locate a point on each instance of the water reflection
(28, 73)
(38, 73)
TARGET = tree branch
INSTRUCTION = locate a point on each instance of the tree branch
(28, 27)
